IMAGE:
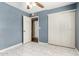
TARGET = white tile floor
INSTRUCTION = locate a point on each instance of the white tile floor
(39, 49)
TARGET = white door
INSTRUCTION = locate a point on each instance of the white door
(61, 29)
(26, 29)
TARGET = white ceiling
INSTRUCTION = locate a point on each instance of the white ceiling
(47, 6)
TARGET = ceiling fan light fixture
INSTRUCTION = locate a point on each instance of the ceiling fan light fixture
(29, 5)
(33, 4)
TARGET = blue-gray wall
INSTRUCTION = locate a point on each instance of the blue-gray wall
(10, 25)
(43, 20)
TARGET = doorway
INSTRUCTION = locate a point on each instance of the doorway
(35, 29)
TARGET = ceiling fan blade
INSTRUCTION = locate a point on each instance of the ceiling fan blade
(28, 7)
(40, 5)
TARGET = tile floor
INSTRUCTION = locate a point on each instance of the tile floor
(40, 49)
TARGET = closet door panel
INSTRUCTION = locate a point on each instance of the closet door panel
(61, 29)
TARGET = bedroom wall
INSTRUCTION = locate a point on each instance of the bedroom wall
(43, 20)
(10, 25)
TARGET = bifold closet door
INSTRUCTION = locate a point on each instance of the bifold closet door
(61, 29)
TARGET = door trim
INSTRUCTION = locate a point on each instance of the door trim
(22, 30)
(38, 25)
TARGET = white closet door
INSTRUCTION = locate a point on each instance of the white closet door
(61, 29)
(26, 29)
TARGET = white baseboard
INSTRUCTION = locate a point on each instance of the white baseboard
(42, 42)
(77, 51)
(3, 50)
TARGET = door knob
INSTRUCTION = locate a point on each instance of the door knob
(24, 31)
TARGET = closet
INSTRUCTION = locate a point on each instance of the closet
(35, 29)
(61, 28)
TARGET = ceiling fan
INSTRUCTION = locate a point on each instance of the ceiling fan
(31, 4)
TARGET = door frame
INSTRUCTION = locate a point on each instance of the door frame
(38, 28)
(48, 25)
(38, 25)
